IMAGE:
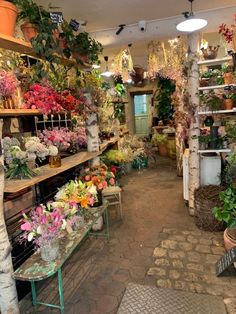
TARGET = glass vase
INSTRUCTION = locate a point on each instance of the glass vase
(49, 250)
(55, 161)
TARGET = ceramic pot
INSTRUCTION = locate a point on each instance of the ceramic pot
(228, 78)
(228, 103)
(29, 31)
(55, 161)
(8, 15)
(162, 149)
(50, 250)
(229, 238)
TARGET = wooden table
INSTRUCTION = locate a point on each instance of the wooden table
(35, 269)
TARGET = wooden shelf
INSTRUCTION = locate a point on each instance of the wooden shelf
(225, 150)
(23, 47)
(214, 61)
(15, 186)
(120, 100)
(215, 87)
(18, 112)
(216, 112)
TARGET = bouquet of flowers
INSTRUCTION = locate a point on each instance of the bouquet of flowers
(83, 194)
(115, 156)
(78, 138)
(43, 98)
(43, 224)
(8, 84)
(59, 137)
(99, 175)
(228, 32)
(17, 160)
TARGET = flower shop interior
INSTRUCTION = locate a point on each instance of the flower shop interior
(118, 157)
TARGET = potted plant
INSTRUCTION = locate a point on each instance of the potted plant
(229, 100)
(8, 16)
(227, 214)
(31, 14)
(204, 140)
(211, 100)
(161, 141)
(227, 74)
(210, 52)
(85, 49)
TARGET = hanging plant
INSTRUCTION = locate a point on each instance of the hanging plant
(123, 65)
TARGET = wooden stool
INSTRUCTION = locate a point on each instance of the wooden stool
(113, 195)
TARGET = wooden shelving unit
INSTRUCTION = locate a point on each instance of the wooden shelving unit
(18, 112)
(15, 186)
(23, 47)
(120, 100)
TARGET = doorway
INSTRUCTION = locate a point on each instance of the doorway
(141, 113)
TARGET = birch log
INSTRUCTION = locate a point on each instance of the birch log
(8, 295)
(193, 84)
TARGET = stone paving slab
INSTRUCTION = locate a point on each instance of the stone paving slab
(185, 260)
(149, 300)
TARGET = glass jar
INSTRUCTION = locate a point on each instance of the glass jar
(55, 161)
(49, 250)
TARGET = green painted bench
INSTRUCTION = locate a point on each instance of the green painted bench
(35, 269)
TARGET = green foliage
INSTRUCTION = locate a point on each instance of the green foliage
(211, 100)
(120, 90)
(210, 73)
(31, 12)
(230, 96)
(228, 174)
(231, 131)
(227, 69)
(119, 112)
(85, 45)
(164, 107)
(159, 138)
(227, 212)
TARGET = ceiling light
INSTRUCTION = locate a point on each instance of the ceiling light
(106, 73)
(191, 24)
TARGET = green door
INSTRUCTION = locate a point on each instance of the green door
(141, 110)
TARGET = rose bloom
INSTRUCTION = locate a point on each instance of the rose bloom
(112, 181)
(100, 186)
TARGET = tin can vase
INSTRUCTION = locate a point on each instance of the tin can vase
(50, 250)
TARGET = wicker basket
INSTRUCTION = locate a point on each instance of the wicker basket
(207, 197)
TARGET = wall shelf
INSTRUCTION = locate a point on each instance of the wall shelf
(216, 112)
(214, 61)
(225, 150)
(215, 87)
(23, 47)
(18, 112)
(15, 186)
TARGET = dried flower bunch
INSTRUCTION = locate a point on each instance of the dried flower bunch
(8, 84)
(228, 32)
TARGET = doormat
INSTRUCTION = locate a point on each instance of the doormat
(150, 300)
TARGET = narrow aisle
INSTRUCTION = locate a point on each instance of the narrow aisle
(95, 277)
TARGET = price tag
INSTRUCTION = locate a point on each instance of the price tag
(74, 25)
(56, 17)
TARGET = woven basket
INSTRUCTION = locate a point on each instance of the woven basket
(207, 197)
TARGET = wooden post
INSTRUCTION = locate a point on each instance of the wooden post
(193, 84)
(8, 295)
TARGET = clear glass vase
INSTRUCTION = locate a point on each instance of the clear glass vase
(55, 161)
(49, 250)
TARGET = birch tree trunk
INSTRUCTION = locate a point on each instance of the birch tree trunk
(8, 295)
(179, 150)
(193, 84)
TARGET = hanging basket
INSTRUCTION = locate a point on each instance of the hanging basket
(206, 198)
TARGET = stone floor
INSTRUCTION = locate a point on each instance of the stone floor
(155, 218)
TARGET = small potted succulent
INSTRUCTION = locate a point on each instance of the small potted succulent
(211, 101)
(228, 74)
(229, 99)
(161, 140)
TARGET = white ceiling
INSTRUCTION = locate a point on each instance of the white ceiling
(104, 16)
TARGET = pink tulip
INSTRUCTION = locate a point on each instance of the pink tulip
(26, 226)
(39, 210)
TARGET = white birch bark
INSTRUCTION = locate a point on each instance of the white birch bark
(193, 84)
(8, 295)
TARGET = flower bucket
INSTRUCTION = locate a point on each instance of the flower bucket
(55, 161)
(8, 15)
(29, 31)
(50, 250)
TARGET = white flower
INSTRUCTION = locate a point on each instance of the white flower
(31, 156)
(92, 190)
(21, 155)
(52, 150)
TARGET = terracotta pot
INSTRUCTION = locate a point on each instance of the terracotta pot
(163, 149)
(228, 103)
(62, 44)
(228, 78)
(29, 30)
(234, 43)
(8, 15)
(229, 238)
